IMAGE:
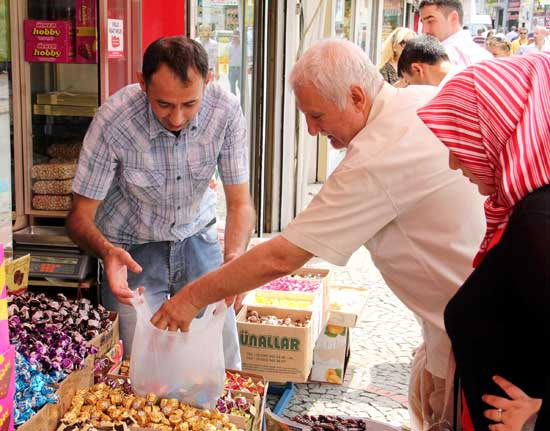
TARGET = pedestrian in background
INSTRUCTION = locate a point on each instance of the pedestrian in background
(539, 43)
(235, 62)
(499, 46)
(521, 40)
(443, 19)
(211, 46)
(391, 50)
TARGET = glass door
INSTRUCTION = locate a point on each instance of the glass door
(226, 29)
(6, 127)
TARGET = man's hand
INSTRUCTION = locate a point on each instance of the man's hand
(239, 302)
(117, 262)
(176, 313)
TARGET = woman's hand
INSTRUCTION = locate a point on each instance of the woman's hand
(510, 414)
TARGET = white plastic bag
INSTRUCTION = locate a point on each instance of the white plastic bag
(188, 366)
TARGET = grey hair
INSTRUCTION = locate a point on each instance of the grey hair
(332, 66)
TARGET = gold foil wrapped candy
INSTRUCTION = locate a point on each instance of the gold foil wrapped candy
(151, 399)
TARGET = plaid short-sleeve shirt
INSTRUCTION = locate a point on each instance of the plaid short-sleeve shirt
(153, 184)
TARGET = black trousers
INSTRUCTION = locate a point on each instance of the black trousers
(499, 320)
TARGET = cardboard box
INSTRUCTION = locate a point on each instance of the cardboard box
(106, 340)
(86, 31)
(48, 41)
(49, 416)
(331, 354)
(346, 305)
(49, 52)
(48, 31)
(66, 98)
(17, 274)
(4, 330)
(278, 353)
(7, 387)
(259, 401)
(317, 302)
(82, 111)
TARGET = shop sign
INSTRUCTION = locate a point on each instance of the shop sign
(115, 30)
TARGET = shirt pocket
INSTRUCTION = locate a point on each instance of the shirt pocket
(145, 186)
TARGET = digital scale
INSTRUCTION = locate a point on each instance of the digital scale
(53, 253)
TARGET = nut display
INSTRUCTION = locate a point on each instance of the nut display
(53, 187)
(252, 316)
(52, 202)
(331, 423)
(111, 408)
(63, 150)
(53, 171)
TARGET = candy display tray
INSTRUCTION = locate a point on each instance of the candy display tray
(258, 401)
(107, 339)
(346, 305)
(49, 416)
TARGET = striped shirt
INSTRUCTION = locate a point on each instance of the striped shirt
(153, 184)
(494, 118)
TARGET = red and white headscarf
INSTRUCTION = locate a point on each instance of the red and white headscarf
(495, 118)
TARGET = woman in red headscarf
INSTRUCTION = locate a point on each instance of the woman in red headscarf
(495, 119)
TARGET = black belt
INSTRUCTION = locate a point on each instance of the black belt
(211, 222)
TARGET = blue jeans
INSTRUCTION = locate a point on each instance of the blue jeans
(234, 76)
(167, 267)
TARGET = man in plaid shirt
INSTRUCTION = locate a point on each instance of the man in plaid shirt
(141, 195)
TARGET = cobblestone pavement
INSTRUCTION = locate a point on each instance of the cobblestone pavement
(376, 381)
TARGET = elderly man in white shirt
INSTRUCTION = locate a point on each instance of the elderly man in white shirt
(443, 20)
(393, 193)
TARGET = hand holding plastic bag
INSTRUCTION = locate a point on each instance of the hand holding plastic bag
(188, 366)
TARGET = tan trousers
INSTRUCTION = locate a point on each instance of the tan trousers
(430, 397)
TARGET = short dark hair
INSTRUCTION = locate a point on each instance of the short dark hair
(421, 49)
(447, 5)
(178, 53)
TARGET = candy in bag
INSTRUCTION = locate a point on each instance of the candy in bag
(188, 366)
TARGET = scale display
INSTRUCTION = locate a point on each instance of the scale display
(54, 265)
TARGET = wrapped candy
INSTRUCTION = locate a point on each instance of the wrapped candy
(233, 405)
(33, 390)
(109, 408)
(236, 382)
(294, 283)
(53, 333)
